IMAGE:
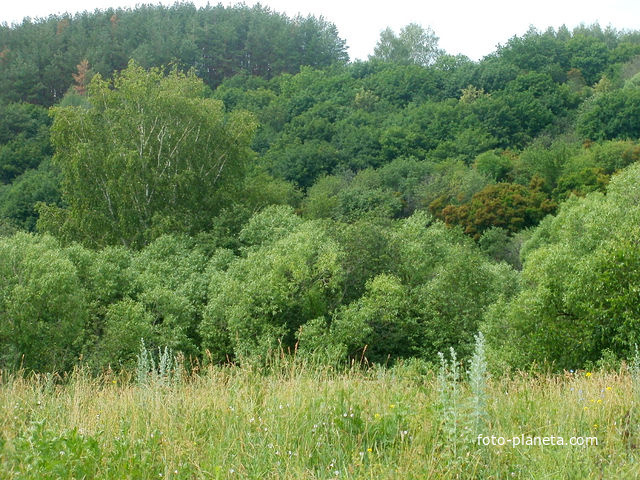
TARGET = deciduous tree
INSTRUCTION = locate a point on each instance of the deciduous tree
(150, 156)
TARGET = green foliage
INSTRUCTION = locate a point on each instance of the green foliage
(171, 281)
(19, 199)
(493, 165)
(432, 298)
(549, 160)
(125, 323)
(24, 139)
(414, 44)
(611, 115)
(261, 190)
(451, 183)
(367, 253)
(42, 304)
(62, 303)
(499, 245)
(348, 199)
(302, 163)
(39, 57)
(271, 224)
(261, 300)
(378, 324)
(53, 454)
(580, 183)
(579, 281)
(173, 175)
(318, 239)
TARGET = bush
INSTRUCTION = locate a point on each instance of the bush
(580, 282)
(42, 305)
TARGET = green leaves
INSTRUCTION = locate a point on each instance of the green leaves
(151, 156)
(431, 296)
(268, 295)
(611, 115)
(580, 283)
(414, 44)
(42, 304)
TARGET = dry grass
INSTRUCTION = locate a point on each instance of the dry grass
(303, 423)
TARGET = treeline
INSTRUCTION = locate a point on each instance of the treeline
(38, 57)
(390, 208)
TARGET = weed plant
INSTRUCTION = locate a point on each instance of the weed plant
(296, 421)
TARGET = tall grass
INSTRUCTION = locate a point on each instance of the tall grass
(296, 421)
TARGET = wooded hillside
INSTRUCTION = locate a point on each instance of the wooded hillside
(224, 182)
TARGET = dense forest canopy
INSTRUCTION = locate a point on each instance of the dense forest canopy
(39, 57)
(224, 182)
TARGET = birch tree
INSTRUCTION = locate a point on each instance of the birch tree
(150, 155)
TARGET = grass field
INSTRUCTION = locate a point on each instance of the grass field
(297, 422)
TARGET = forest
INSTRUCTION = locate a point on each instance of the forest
(225, 183)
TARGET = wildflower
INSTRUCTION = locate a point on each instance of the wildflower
(599, 400)
(392, 406)
(588, 374)
(608, 388)
(377, 415)
(595, 425)
(586, 408)
(369, 449)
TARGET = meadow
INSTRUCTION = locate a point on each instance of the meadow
(297, 421)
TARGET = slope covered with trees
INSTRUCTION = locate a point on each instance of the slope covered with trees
(235, 186)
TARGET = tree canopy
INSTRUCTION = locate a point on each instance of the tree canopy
(223, 182)
(149, 155)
